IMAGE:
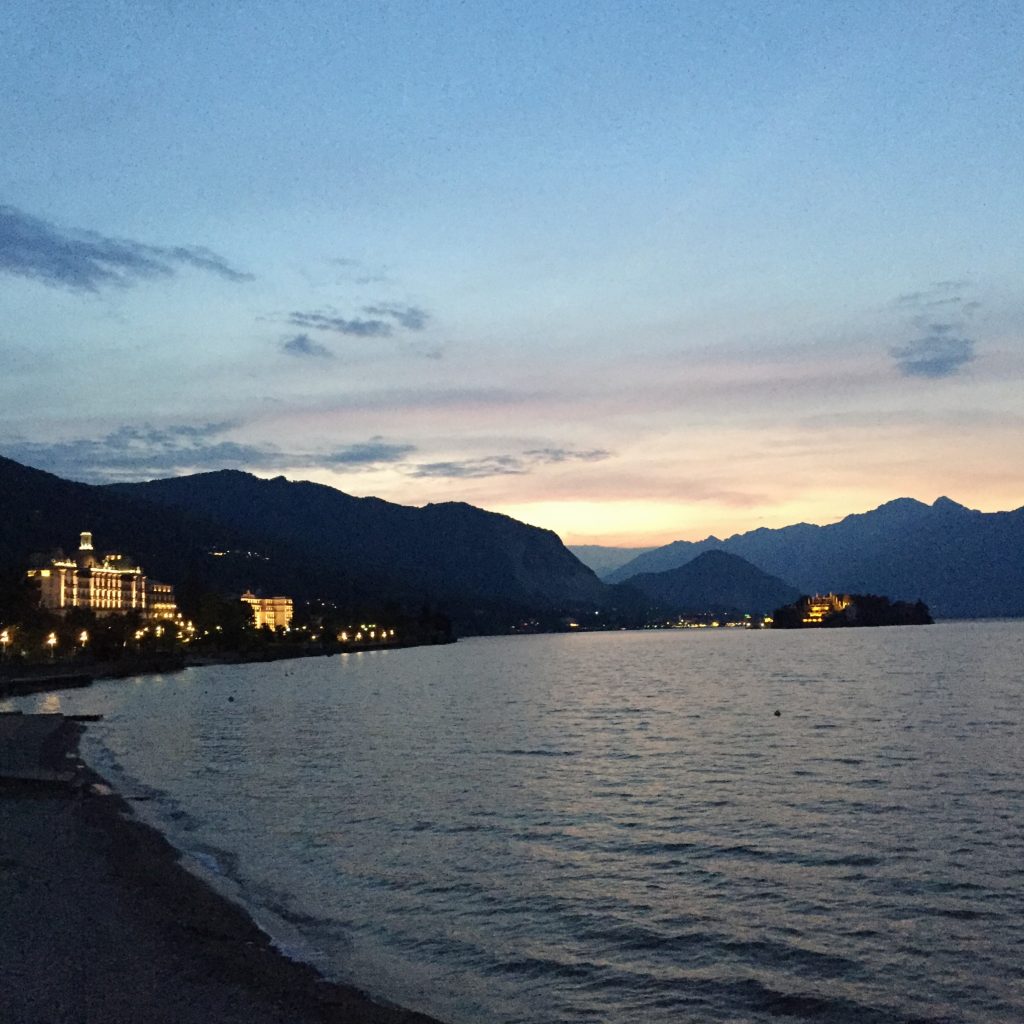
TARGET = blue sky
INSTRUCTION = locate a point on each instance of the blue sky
(631, 271)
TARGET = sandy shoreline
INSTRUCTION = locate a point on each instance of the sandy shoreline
(102, 924)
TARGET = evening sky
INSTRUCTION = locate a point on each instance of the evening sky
(632, 271)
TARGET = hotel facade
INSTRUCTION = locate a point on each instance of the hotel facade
(110, 585)
(272, 612)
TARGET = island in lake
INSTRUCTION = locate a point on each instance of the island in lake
(833, 610)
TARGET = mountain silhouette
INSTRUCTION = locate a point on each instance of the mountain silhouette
(307, 540)
(961, 562)
(487, 570)
(444, 551)
(718, 582)
(715, 581)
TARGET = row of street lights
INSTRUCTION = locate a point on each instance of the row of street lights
(50, 642)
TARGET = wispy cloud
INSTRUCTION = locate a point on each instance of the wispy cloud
(341, 325)
(384, 320)
(504, 465)
(941, 293)
(468, 469)
(372, 452)
(143, 452)
(567, 455)
(303, 345)
(410, 317)
(941, 348)
(938, 353)
(87, 261)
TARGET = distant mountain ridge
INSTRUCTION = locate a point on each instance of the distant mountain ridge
(960, 561)
(715, 581)
(604, 560)
(486, 569)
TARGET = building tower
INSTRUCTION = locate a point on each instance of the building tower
(86, 555)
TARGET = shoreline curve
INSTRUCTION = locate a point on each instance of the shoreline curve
(104, 922)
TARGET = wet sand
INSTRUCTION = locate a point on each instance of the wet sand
(101, 925)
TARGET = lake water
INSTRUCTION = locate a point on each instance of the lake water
(613, 827)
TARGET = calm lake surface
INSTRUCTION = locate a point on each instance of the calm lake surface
(613, 827)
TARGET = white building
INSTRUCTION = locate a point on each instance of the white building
(110, 585)
(273, 612)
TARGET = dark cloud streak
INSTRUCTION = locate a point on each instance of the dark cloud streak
(471, 469)
(355, 328)
(941, 348)
(386, 317)
(412, 318)
(143, 452)
(567, 455)
(87, 261)
(505, 465)
(368, 453)
(937, 294)
(302, 345)
(938, 353)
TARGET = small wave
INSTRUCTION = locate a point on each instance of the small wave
(752, 994)
(636, 938)
(810, 961)
(950, 886)
(958, 913)
(675, 846)
(851, 860)
(544, 967)
(538, 752)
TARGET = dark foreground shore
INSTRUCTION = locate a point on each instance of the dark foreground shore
(101, 925)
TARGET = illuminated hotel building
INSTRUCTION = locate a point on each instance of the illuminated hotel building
(107, 586)
(273, 612)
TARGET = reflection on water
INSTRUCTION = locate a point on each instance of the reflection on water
(617, 827)
(50, 704)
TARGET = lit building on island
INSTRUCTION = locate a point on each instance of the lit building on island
(272, 612)
(824, 611)
(110, 585)
(819, 607)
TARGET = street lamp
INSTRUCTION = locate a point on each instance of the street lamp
(5, 639)
(51, 642)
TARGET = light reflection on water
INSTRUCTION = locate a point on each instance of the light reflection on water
(616, 827)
